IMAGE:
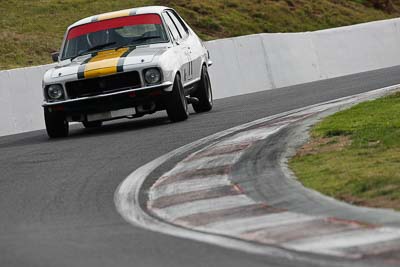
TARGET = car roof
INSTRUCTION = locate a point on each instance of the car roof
(121, 13)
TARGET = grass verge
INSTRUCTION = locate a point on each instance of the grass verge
(354, 155)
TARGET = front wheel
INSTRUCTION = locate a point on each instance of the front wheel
(176, 103)
(56, 124)
(203, 93)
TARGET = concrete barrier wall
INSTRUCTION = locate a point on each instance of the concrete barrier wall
(292, 58)
(241, 65)
(20, 100)
(358, 48)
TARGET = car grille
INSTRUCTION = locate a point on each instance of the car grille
(100, 85)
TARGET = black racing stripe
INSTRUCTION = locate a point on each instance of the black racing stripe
(121, 60)
(81, 69)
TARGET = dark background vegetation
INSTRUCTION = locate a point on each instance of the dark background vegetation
(30, 30)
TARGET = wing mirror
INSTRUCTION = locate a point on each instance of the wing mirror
(55, 56)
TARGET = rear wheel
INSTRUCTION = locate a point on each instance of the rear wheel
(203, 93)
(56, 124)
(92, 124)
(176, 103)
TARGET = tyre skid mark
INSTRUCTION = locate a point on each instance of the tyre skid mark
(189, 186)
(204, 218)
(299, 230)
(204, 205)
(192, 174)
(380, 249)
(239, 226)
(219, 150)
(339, 243)
(205, 163)
(168, 201)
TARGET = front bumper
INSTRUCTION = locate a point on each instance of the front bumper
(142, 100)
(58, 103)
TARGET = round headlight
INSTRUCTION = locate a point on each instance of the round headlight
(55, 91)
(152, 76)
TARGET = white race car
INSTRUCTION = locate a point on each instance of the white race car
(126, 64)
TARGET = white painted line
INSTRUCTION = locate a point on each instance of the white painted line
(207, 162)
(327, 244)
(217, 149)
(191, 185)
(204, 205)
(252, 135)
(239, 226)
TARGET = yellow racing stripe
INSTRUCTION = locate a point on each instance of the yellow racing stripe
(115, 14)
(104, 63)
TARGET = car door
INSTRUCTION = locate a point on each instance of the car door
(181, 46)
(193, 44)
(185, 42)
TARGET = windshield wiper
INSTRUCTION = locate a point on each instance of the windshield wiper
(100, 46)
(96, 47)
(138, 39)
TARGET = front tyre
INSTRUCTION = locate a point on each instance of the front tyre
(56, 124)
(176, 103)
(203, 93)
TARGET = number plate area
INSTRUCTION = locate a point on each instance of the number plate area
(111, 114)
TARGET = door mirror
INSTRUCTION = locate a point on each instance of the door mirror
(55, 56)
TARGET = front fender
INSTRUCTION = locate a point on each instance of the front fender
(170, 64)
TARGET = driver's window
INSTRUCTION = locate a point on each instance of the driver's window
(178, 24)
(171, 26)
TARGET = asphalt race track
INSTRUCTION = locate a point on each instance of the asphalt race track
(56, 197)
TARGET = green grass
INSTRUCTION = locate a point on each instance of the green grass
(30, 30)
(365, 169)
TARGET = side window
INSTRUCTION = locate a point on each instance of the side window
(171, 26)
(181, 28)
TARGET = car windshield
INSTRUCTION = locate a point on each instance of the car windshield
(114, 33)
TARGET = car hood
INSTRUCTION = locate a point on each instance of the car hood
(106, 62)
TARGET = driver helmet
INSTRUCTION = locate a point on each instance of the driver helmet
(97, 38)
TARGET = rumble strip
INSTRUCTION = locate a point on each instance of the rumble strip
(198, 199)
